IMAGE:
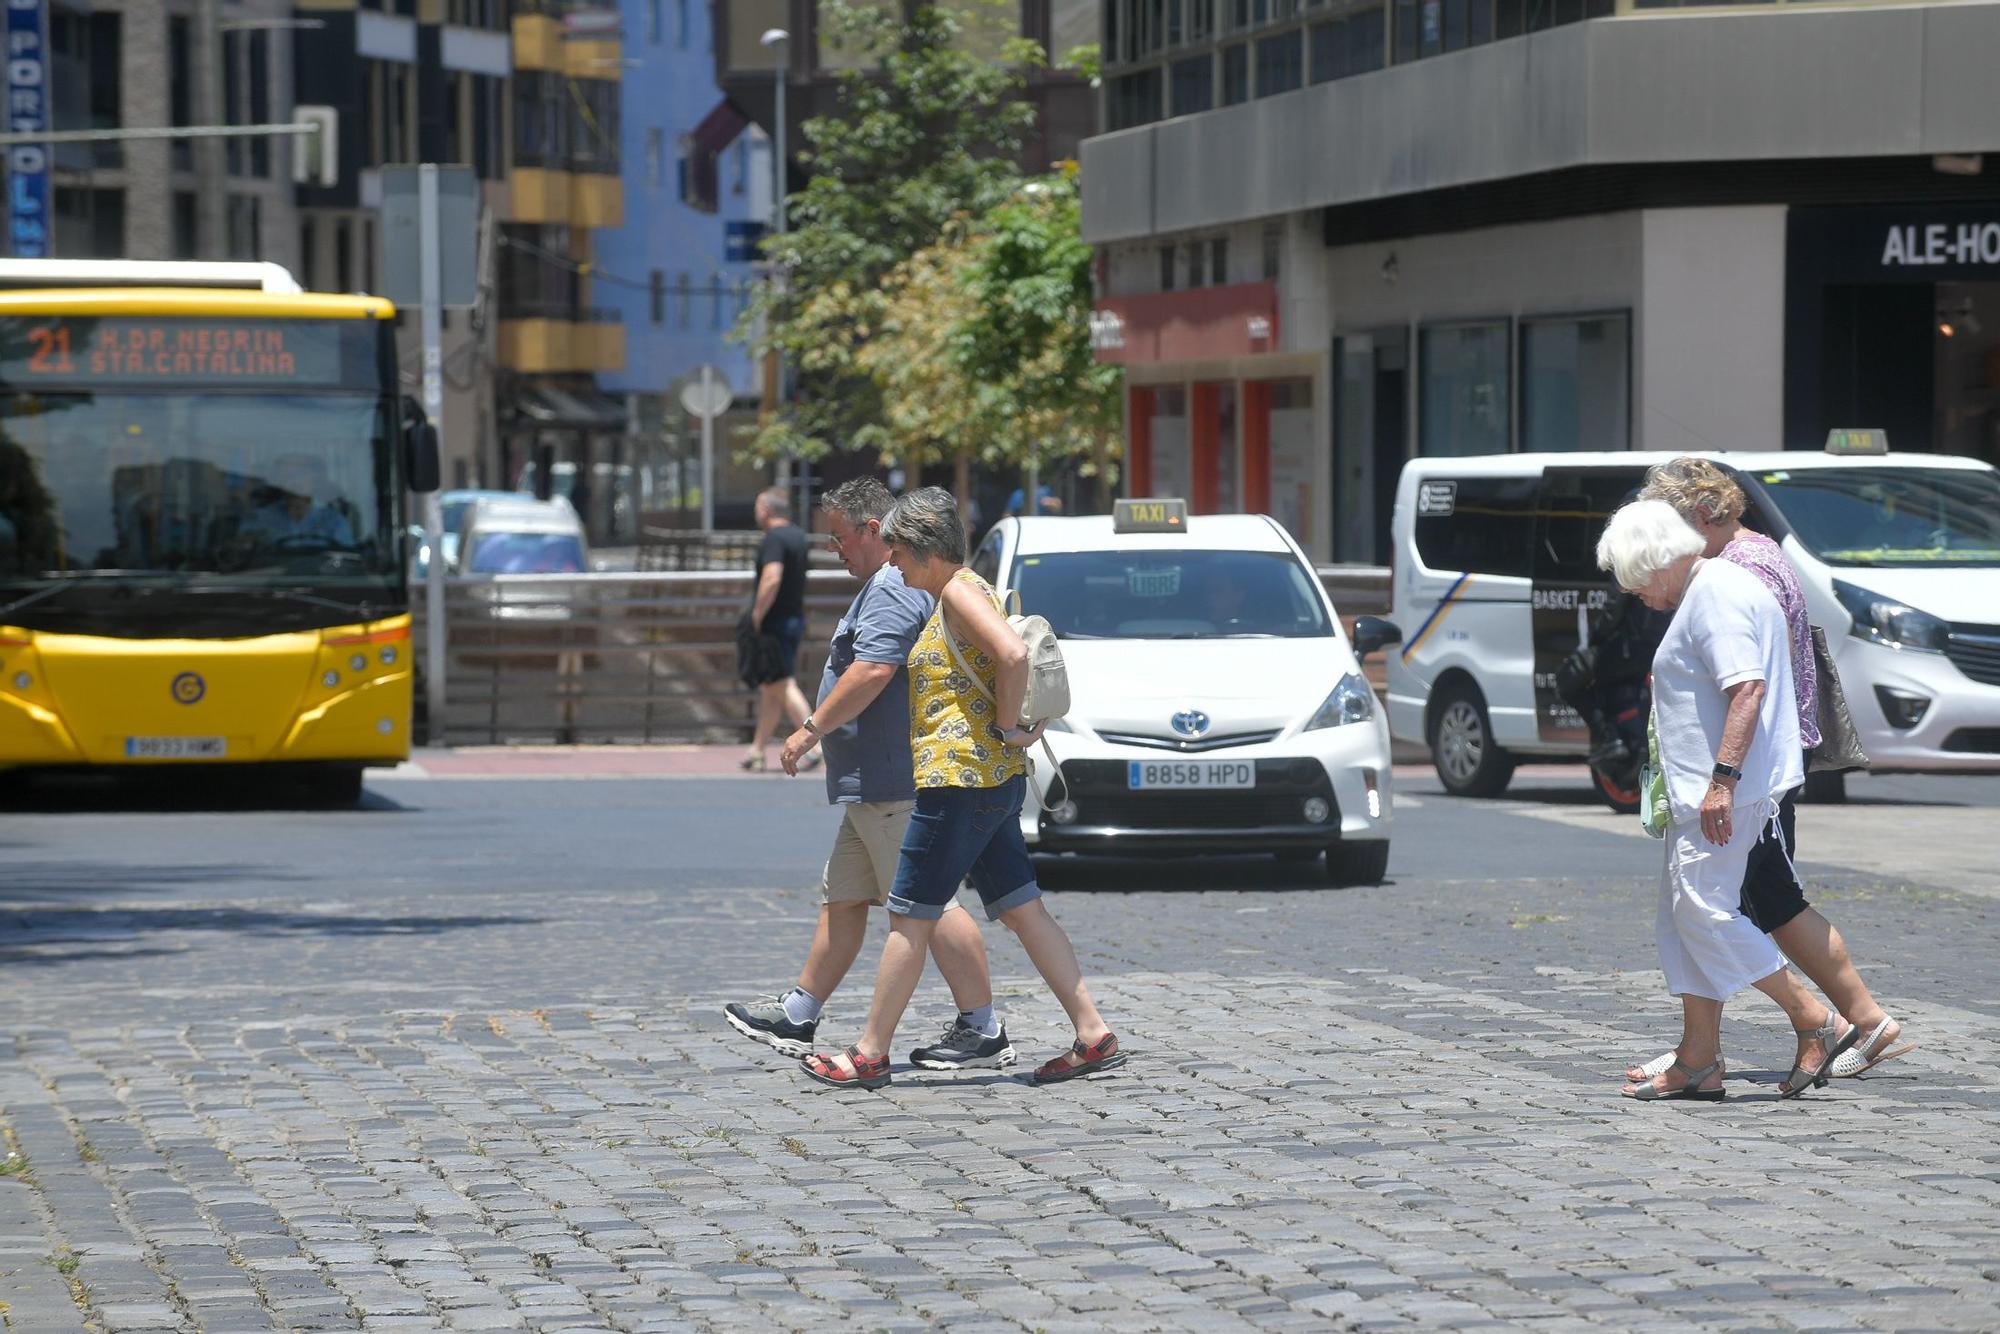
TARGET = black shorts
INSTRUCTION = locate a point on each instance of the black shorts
(1772, 895)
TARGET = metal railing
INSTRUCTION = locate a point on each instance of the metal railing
(643, 658)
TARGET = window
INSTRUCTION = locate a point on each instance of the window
(1488, 526)
(1166, 268)
(1235, 74)
(656, 157)
(90, 224)
(715, 290)
(1575, 383)
(84, 82)
(653, 23)
(1201, 20)
(594, 126)
(343, 256)
(657, 292)
(681, 24)
(1196, 254)
(1218, 260)
(187, 230)
(740, 182)
(1178, 594)
(1574, 505)
(1462, 389)
(686, 300)
(1280, 63)
(489, 127)
(309, 255)
(1406, 30)
(1274, 244)
(180, 86)
(246, 237)
(1134, 98)
(1193, 84)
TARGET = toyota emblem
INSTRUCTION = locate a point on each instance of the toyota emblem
(1191, 723)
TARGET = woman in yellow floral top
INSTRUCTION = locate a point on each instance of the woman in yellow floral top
(966, 743)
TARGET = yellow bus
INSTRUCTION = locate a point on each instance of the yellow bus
(202, 494)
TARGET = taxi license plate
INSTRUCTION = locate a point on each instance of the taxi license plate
(1142, 774)
(176, 747)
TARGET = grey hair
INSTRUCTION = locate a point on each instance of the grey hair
(777, 500)
(925, 523)
(858, 501)
(1644, 538)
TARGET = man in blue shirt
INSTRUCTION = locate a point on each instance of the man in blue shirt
(862, 721)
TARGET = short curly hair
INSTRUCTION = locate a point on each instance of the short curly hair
(1701, 491)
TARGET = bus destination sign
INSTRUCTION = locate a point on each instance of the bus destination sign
(122, 351)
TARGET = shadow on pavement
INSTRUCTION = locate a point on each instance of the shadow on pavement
(166, 793)
(41, 881)
(30, 931)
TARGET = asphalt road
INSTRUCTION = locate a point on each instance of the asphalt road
(454, 1060)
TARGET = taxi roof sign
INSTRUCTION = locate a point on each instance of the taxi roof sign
(1857, 440)
(1149, 516)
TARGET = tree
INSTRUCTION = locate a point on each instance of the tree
(929, 129)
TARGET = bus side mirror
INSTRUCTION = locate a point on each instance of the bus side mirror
(420, 455)
(1372, 632)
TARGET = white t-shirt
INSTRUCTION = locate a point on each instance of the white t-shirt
(1728, 629)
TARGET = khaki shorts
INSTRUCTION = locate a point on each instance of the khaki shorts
(865, 851)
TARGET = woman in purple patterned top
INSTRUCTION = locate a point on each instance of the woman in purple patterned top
(1713, 504)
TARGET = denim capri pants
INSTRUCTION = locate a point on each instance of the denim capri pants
(960, 833)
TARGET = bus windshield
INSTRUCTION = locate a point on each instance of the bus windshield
(1172, 595)
(1891, 516)
(124, 510)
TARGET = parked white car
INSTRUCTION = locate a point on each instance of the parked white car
(1217, 705)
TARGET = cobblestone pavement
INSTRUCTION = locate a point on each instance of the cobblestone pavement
(455, 1061)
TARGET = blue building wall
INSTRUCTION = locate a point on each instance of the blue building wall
(669, 88)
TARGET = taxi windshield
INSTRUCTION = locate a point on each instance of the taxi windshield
(1891, 516)
(1172, 595)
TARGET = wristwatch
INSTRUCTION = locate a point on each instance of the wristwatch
(1728, 771)
(808, 725)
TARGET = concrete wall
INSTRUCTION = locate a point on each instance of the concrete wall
(1709, 340)
(1672, 86)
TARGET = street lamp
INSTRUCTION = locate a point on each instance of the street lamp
(777, 40)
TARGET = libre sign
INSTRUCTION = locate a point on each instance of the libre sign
(27, 112)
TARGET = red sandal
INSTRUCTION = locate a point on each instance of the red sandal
(867, 1074)
(1103, 1055)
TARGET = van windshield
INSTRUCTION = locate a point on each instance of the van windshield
(1891, 516)
(1172, 595)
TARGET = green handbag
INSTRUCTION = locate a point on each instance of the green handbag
(1654, 811)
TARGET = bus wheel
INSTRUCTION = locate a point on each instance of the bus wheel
(334, 785)
(1468, 761)
(1620, 796)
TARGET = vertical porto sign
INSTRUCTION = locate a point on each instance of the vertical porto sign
(27, 112)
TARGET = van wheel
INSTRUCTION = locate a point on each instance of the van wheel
(1469, 763)
(1825, 786)
(1355, 864)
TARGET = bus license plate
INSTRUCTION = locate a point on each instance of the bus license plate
(176, 747)
(1191, 773)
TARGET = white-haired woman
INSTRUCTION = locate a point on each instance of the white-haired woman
(1729, 748)
(968, 676)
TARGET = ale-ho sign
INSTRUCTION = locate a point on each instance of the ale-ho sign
(1910, 246)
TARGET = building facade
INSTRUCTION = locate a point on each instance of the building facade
(698, 187)
(1333, 237)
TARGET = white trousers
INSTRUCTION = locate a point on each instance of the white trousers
(1707, 946)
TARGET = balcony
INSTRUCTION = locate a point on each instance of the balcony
(539, 338)
(563, 198)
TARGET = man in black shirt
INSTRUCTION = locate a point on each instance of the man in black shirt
(780, 613)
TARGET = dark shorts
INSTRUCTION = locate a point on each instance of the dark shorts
(790, 633)
(1772, 895)
(960, 833)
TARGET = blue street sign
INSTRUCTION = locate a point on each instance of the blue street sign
(740, 245)
(27, 112)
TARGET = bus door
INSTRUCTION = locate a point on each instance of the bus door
(1568, 587)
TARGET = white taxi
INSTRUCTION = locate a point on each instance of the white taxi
(1216, 704)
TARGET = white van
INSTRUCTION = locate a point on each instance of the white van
(1496, 573)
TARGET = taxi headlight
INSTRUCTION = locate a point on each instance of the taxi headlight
(1352, 701)
(1884, 620)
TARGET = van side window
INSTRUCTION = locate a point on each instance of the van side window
(1490, 528)
(1575, 505)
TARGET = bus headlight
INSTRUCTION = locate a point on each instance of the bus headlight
(358, 663)
(331, 679)
(389, 656)
(1352, 701)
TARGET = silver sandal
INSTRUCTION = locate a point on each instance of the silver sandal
(1801, 1079)
(1692, 1091)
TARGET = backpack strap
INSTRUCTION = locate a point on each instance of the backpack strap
(951, 646)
